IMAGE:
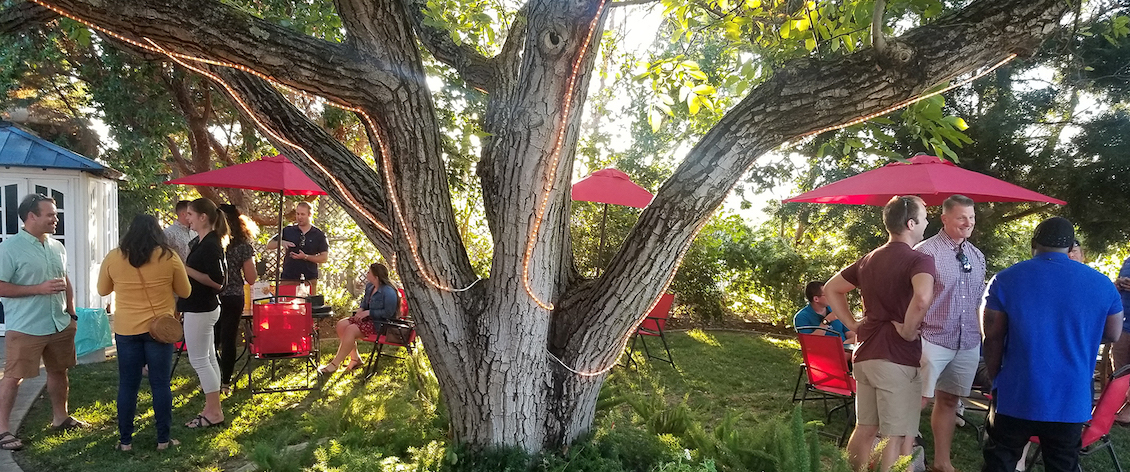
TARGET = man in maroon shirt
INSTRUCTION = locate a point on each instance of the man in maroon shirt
(897, 286)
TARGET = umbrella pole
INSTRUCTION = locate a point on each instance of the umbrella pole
(278, 247)
(600, 255)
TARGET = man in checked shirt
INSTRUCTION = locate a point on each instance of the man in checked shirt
(951, 335)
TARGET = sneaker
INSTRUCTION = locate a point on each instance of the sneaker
(919, 462)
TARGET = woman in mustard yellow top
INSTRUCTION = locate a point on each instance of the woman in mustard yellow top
(144, 272)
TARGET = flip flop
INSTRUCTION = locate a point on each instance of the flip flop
(201, 422)
(69, 424)
(9, 442)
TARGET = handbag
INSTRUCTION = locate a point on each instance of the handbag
(163, 328)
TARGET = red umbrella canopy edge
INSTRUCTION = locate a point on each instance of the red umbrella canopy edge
(268, 174)
(611, 186)
(929, 177)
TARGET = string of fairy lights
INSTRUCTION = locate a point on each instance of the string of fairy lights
(386, 163)
(555, 157)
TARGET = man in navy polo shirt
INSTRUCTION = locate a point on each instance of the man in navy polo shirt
(306, 247)
(1043, 319)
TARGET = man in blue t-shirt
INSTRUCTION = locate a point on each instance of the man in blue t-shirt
(817, 313)
(1043, 320)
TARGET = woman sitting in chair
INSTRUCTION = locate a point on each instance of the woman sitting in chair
(380, 304)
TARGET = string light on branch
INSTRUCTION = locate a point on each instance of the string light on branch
(622, 343)
(555, 157)
(910, 101)
(266, 129)
(180, 58)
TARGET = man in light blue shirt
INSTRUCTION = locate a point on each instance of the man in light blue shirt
(39, 314)
(817, 313)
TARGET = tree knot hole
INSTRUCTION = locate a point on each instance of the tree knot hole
(553, 41)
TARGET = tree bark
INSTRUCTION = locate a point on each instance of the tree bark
(512, 371)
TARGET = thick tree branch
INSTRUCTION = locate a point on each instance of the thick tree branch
(804, 97)
(212, 30)
(479, 71)
(24, 16)
(359, 182)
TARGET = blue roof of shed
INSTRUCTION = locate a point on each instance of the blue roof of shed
(20, 148)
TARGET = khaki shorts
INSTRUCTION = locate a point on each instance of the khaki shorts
(24, 351)
(948, 370)
(888, 395)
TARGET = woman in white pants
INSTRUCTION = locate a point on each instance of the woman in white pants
(205, 267)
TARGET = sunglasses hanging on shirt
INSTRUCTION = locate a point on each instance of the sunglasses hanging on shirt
(964, 260)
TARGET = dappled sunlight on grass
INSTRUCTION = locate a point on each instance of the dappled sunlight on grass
(377, 418)
(782, 342)
(703, 337)
(393, 421)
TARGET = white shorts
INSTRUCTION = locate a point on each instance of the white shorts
(948, 370)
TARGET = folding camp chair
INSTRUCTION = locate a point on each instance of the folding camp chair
(1096, 433)
(828, 378)
(654, 325)
(398, 333)
(282, 331)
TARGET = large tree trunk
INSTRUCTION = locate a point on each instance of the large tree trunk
(521, 357)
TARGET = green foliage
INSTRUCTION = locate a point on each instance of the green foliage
(479, 23)
(315, 18)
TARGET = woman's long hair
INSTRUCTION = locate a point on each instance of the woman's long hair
(143, 236)
(219, 222)
(381, 272)
(242, 228)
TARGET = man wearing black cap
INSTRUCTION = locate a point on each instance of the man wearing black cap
(1053, 312)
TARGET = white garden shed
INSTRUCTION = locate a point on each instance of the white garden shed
(85, 192)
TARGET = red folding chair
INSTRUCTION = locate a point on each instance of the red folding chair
(283, 331)
(654, 325)
(1096, 433)
(827, 376)
(398, 333)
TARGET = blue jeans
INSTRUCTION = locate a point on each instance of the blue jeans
(135, 352)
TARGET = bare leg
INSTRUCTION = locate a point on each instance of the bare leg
(348, 347)
(943, 420)
(58, 386)
(859, 446)
(212, 409)
(347, 335)
(9, 386)
(893, 450)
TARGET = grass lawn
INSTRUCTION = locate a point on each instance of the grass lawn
(392, 423)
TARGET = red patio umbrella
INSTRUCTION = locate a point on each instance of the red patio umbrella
(610, 186)
(268, 174)
(929, 177)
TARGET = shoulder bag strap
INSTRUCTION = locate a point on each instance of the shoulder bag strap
(145, 289)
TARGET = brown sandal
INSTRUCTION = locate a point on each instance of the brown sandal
(9, 442)
(353, 364)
